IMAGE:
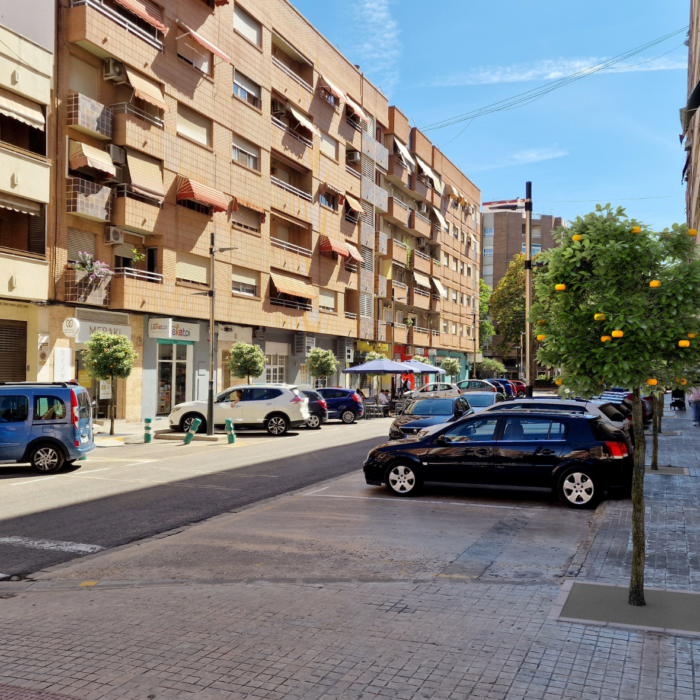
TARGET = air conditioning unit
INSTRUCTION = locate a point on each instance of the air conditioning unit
(114, 70)
(117, 154)
(421, 241)
(116, 179)
(353, 157)
(410, 350)
(422, 207)
(279, 109)
(114, 236)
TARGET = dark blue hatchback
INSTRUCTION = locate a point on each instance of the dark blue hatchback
(344, 404)
(426, 412)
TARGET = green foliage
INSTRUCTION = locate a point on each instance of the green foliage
(489, 367)
(321, 363)
(246, 361)
(372, 355)
(608, 272)
(109, 356)
(421, 358)
(451, 366)
(486, 329)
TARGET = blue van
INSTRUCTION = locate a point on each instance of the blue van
(47, 424)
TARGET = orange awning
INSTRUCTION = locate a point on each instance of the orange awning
(293, 286)
(329, 87)
(328, 245)
(21, 109)
(147, 89)
(146, 175)
(147, 11)
(206, 44)
(354, 253)
(354, 107)
(191, 189)
(353, 203)
(237, 201)
(84, 156)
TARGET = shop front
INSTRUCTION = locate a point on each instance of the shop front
(19, 332)
(464, 363)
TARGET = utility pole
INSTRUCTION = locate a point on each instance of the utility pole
(529, 378)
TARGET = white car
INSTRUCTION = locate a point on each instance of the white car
(272, 407)
(440, 390)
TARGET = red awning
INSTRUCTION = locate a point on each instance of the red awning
(237, 201)
(206, 44)
(354, 107)
(328, 245)
(354, 253)
(147, 11)
(190, 189)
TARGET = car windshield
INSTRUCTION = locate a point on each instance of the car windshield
(475, 400)
(430, 407)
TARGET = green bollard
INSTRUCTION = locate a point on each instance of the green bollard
(230, 435)
(193, 429)
(147, 437)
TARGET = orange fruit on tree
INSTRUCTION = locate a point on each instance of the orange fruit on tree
(692, 335)
(636, 229)
(559, 287)
(605, 338)
(599, 317)
(655, 283)
(617, 334)
(558, 381)
(542, 321)
(541, 337)
(692, 232)
(577, 237)
(683, 381)
(652, 382)
(683, 343)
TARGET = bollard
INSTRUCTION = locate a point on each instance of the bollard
(147, 437)
(193, 429)
(230, 435)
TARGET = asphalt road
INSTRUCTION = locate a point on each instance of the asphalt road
(127, 493)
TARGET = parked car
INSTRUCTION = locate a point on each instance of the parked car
(433, 390)
(519, 387)
(422, 413)
(574, 455)
(476, 385)
(481, 400)
(345, 404)
(318, 409)
(622, 395)
(48, 424)
(272, 407)
(505, 386)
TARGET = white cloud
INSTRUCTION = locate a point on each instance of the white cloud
(376, 45)
(530, 155)
(551, 69)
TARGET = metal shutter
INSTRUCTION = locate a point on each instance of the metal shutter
(80, 241)
(240, 274)
(246, 25)
(368, 214)
(326, 298)
(37, 235)
(193, 125)
(367, 167)
(329, 146)
(272, 348)
(367, 258)
(124, 250)
(13, 349)
(192, 268)
(366, 305)
(247, 218)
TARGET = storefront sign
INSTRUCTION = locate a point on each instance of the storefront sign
(71, 327)
(185, 331)
(87, 328)
(62, 364)
(364, 346)
(105, 389)
(160, 327)
(168, 328)
(84, 378)
(234, 334)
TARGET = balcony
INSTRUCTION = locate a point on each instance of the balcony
(397, 291)
(366, 328)
(295, 146)
(419, 298)
(435, 268)
(380, 331)
(291, 85)
(89, 116)
(291, 200)
(396, 212)
(79, 289)
(31, 275)
(374, 195)
(367, 234)
(419, 188)
(130, 288)
(399, 333)
(397, 174)
(436, 303)
(137, 214)
(435, 339)
(287, 256)
(88, 199)
(382, 158)
(420, 262)
(139, 130)
(367, 281)
(396, 250)
(295, 303)
(420, 224)
(380, 286)
(419, 336)
(381, 243)
(24, 174)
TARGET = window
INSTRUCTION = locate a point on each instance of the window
(84, 78)
(444, 326)
(367, 258)
(275, 368)
(461, 299)
(454, 328)
(535, 249)
(195, 206)
(365, 305)
(49, 408)
(327, 299)
(328, 199)
(195, 54)
(488, 232)
(487, 270)
(246, 89)
(461, 268)
(260, 394)
(14, 409)
(246, 153)
(84, 408)
(191, 268)
(454, 296)
(454, 264)
(536, 232)
(193, 125)
(246, 26)
(481, 430)
(533, 429)
(488, 252)
(245, 281)
(329, 146)
(80, 242)
(246, 218)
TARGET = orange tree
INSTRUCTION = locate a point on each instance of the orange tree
(614, 299)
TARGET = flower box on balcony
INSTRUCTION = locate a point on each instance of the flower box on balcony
(81, 289)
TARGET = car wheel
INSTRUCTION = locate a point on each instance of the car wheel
(277, 425)
(578, 488)
(521, 394)
(402, 480)
(314, 421)
(348, 416)
(188, 419)
(46, 458)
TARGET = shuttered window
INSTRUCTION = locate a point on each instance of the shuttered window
(366, 305)
(327, 299)
(367, 167)
(195, 54)
(329, 146)
(246, 218)
(84, 78)
(367, 213)
(193, 125)
(124, 250)
(246, 153)
(13, 349)
(244, 24)
(37, 234)
(192, 268)
(244, 281)
(367, 258)
(80, 241)
(246, 89)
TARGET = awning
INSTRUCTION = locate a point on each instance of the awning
(354, 253)
(290, 219)
(82, 156)
(301, 117)
(440, 218)
(328, 85)
(238, 202)
(440, 289)
(438, 184)
(203, 42)
(353, 203)
(421, 279)
(21, 109)
(408, 158)
(328, 187)
(190, 189)
(354, 107)
(147, 89)
(147, 11)
(328, 245)
(146, 175)
(293, 286)
(427, 170)
(452, 191)
(19, 204)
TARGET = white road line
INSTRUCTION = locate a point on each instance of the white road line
(57, 545)
(33, 481)
(91, 471)
(419, 502)
(311, 493)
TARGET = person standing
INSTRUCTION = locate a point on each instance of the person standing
(694, 400)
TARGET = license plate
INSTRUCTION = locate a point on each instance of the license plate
(84, 438)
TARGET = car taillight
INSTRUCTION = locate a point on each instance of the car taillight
(321, 402)
(74, 409)
(296, 399)
(357, 398)
(617, 450)
(459, 391)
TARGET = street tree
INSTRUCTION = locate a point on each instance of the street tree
(489, 367)
(246, 361)
(108, 357)
(486, 329)
(321, 363)
(615, 299)
(451, 367)
(421, 358)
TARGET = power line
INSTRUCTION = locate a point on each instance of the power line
(537, 93)
(609, 199)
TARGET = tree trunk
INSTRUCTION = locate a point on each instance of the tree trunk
(662, 401)
(111, 406)
(636, 593)
(655, 433)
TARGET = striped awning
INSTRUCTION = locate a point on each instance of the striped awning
(19, 204)
(440, 289)
(353, 203)
(293, 286)
(328, 85)
(438, 184)
(421, 279)
(407, 157)
(440, 218)
(147, 11)
(238, 202)
(146, 174)
(354, 253)
(21, 109)
(427, 170)
(203, 42)
(84, 156)
(452, 191)
(147, 89)
(301, 117)
(354, 107)
(328, 245)
(191, 189)
(290, 219)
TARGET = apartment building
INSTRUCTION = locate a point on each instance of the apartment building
(240, 121)
(26, 83)
(503, 236)
(689, 121)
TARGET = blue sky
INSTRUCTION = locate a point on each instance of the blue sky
(608, 137)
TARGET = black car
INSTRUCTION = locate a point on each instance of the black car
(423, 413)
(575, 455)
(318, 409)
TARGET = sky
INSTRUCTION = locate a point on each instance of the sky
(609, 137)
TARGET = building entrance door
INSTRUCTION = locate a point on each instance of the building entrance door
(173, 376)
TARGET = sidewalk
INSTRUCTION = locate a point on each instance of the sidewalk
(403, 625)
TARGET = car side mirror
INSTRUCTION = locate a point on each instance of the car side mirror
(442, 440)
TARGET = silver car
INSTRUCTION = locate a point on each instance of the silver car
(481, 400)
(440, 390)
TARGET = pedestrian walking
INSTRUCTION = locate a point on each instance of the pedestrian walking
(694, 400)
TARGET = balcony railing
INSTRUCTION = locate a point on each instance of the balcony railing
(418, 329)
(423, 218)
(85, 114)
(128, 108)
(290, 73)
(352, 171)
(133, 273)
(278, 243)
(350, 315)
(88, 199)
(289, 304)
(418, 254)
(350, 267)
(123, 22)
(289, 188)
(302, 139)
(420, 292)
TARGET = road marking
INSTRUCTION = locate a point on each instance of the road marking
(418, 502)
(92, 471)
(88, 583)
(311, 493)
(33, 481)
(57, 545)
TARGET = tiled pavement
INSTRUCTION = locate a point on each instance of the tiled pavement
(369, 640)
